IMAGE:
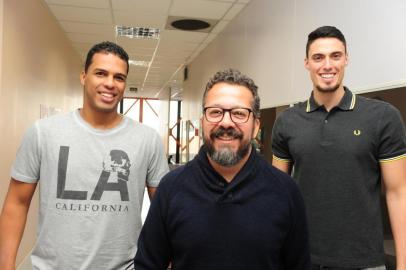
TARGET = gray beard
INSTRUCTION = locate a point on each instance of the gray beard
(225, 156)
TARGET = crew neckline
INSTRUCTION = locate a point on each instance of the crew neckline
(82, 122)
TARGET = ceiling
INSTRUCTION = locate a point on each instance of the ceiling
(87, 22)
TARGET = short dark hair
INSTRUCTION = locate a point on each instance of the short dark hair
(325, 32)
(233, 76)
(106, 47)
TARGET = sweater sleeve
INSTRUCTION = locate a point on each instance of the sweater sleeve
(154, 250)
(296, 250)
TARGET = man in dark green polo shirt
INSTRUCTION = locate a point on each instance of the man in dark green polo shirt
(340, 146)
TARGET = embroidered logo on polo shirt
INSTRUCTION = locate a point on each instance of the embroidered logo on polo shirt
(357, 132)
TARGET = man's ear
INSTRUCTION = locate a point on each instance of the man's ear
(306, 63)
(257, 125)
(82, 77)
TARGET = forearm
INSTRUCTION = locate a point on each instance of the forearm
(396, 202)
(12, 223)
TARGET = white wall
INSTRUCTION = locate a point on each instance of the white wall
(38, 66)
(267, 42)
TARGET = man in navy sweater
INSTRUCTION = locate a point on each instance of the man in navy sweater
(227, 208)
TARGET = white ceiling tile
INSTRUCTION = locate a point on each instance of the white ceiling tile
(87, 28)
(77, 14)
(171, 51)
(81, 3)
(199, 9)
(179, 46)
(128, 18)
(138, 51)
(135, 78)
(140, 57)
(173, 58)
(234, 11)
(229, 1)
(86, 38)
(142, 6)
(186, 36)
(219, 27)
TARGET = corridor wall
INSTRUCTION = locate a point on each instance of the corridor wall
(267, 41)
(38, 69)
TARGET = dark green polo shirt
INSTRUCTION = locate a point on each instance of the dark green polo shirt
(336, 157)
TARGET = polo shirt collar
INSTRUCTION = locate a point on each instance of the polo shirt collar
(347, 103)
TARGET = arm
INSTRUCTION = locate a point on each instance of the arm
(158, 166)
(283, 165)
(151, 192)
(12, 221)
(394, 178)
(281, 158)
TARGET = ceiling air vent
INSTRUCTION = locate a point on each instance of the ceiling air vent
(190, 24)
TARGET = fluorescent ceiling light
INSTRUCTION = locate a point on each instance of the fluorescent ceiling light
(139, 63)
(137, 32)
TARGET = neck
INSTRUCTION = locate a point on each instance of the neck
(229, 173)
(100, 120)
(328, 99)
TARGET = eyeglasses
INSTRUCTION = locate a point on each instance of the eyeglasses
(237, 115)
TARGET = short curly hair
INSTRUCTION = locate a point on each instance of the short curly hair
(233, 76)
(106, 47)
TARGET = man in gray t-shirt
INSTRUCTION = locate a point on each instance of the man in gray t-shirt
(93, 165)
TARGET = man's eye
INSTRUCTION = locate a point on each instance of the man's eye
(239, 114)
(216, 112)
(317, 58)
(120, 79)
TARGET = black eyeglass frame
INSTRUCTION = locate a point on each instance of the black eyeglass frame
(229, 111)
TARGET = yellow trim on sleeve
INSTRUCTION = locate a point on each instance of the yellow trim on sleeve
(385, 160)
(282, 159)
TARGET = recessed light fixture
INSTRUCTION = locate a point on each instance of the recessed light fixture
(139, 63)
(137, 32)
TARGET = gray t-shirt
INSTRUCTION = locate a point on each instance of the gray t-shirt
(92, 184)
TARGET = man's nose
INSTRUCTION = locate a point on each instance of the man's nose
(327, 63)
(109, 81)
(227, 121)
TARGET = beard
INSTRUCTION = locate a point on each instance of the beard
(226, 156)
(328, 89)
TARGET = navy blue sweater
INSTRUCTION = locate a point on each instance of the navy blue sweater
(200, 222)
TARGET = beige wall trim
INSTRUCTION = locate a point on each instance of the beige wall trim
(379, 87)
